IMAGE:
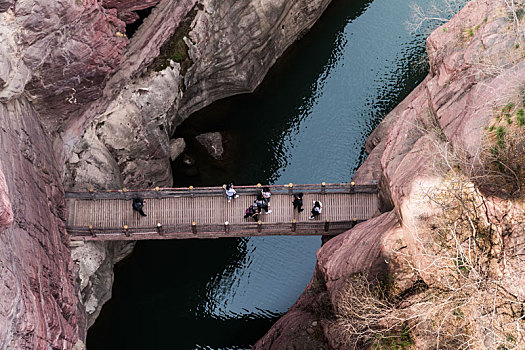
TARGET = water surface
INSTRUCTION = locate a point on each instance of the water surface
(306, 123)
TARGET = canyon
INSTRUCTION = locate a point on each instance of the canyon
(85, 106)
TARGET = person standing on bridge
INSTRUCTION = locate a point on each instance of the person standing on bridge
(230, 192)
(262, 204)
(316, 210)
(138, 205)
(265, 192)
(298, 201)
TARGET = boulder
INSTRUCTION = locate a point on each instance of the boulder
(177, 146)
(212, 141)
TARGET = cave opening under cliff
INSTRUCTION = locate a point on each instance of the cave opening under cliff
(131, 28)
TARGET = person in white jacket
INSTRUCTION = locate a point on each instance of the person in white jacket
(230, 192)
(316, 210)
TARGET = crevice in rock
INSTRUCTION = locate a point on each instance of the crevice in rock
(175, 48)
(131, 28)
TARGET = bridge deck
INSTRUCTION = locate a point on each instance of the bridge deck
(176, 209)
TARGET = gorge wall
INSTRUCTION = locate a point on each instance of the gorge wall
(83, 105)
(428, 150)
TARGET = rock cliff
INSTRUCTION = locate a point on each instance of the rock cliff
(430, 157)
(84, 105)
(40, 306)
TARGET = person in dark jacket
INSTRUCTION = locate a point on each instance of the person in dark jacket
(138, 205)
(252, 211)
(262, 204)
(298, 202)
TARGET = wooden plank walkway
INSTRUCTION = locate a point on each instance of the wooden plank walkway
(205, 213)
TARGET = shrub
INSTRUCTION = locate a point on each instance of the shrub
(504, 161)
(520, 116)
(500, 136)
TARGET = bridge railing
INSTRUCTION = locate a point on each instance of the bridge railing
(244, 229)
(219, 191)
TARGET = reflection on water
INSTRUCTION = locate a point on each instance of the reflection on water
(256, 284)
(307, 123)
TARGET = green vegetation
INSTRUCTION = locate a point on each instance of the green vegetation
(500, 136)
(175, 48)
(395, 340)
(508, 107)
(504, 153)
(520, 116)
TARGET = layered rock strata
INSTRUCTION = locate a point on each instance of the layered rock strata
(40, 306)
(476, 68)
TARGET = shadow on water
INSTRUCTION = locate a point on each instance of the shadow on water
(255, 126)
(226, 293)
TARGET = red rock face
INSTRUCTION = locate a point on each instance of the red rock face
(39, 306)
(70, 50)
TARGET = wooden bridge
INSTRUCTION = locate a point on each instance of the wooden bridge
(204, 212)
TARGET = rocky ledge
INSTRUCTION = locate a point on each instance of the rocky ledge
(441, 267)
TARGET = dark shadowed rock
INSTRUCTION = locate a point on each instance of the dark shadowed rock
(212, 141)
(125, 8)
(6, 4)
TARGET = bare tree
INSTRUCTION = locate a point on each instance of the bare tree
(425, 18)
(465, 304)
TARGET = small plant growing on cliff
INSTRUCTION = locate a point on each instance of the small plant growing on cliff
(500, 136)
(503, 162)
(520, 117)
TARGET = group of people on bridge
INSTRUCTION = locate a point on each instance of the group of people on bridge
(260, 204)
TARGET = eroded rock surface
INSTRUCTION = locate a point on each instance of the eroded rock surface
(96, 261)
(40, 306)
